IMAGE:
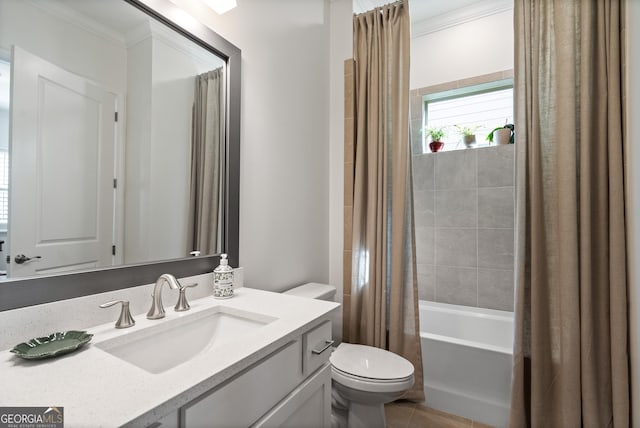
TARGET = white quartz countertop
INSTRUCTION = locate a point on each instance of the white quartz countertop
(98, 389)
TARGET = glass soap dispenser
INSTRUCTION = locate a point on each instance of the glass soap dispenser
(223, 279)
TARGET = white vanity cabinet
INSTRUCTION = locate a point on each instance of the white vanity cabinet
(262, 360)
(291, 387)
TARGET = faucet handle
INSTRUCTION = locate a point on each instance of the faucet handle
(125, 319)
(182, 304)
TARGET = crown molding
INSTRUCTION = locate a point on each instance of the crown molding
(159, 32)
(459, 16)
(71, 16)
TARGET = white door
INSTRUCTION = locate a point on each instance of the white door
(62, 144)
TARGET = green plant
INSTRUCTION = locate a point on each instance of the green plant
(436, 133)
(509, 126)
(467, 130)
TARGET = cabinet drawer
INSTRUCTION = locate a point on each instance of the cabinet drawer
(245, 398)
(317, 347)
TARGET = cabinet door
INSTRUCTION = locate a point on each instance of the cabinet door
(309, 405)
(245, 398)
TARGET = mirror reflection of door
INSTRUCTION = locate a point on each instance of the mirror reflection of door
(63, 128)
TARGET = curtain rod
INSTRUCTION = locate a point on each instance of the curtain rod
(395, 3)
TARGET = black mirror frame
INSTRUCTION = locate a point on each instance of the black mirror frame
(18, 293)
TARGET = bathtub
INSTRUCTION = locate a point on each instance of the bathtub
(466, 357)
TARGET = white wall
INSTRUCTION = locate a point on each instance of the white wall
(633, 200)
(284, 171)
(477, 47)
(136, 153)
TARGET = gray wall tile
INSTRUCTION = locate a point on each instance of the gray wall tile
(455, 170)
(456, 247)
(495, 166)
(495, 207)
(426, 282)
(456, 285)
(423, 172)
(424, 207)
(456, 208)
(463, 207)
(415, 100)
(416, 136)
(495, 289)
(495, 248)
(425, 245)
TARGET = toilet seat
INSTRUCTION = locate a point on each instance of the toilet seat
(370, 369)
(371, 385)
(369, 362)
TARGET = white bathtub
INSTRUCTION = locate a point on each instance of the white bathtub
(466, 357)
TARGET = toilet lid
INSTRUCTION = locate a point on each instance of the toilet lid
(370, 362)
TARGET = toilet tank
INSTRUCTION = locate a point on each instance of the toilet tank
(314, 290)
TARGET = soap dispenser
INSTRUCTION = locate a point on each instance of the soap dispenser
(223, 279)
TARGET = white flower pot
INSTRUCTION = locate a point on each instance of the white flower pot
(502, 136)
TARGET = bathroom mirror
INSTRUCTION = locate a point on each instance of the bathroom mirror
(123, 154)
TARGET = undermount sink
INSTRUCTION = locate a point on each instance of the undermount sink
(173, 342)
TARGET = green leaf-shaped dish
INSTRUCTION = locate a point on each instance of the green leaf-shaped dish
(53, 345)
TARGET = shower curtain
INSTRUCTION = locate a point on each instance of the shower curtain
(383, 295)
(207, 163)
(571, 362)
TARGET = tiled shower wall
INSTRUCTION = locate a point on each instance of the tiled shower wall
(464, 219)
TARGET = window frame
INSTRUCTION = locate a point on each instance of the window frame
(459, 91)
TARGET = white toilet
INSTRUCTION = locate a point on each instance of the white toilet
(364, 378)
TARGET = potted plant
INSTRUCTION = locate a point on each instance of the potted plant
(503, 134)
(436, 133)
(468, 134)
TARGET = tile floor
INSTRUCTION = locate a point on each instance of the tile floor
(405, 414)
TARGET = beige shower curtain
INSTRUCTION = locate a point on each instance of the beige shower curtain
(383, 311)
(571, 357)
(207, 163)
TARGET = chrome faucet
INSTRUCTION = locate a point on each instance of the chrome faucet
(157, 309)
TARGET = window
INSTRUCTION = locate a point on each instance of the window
(481, 107)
